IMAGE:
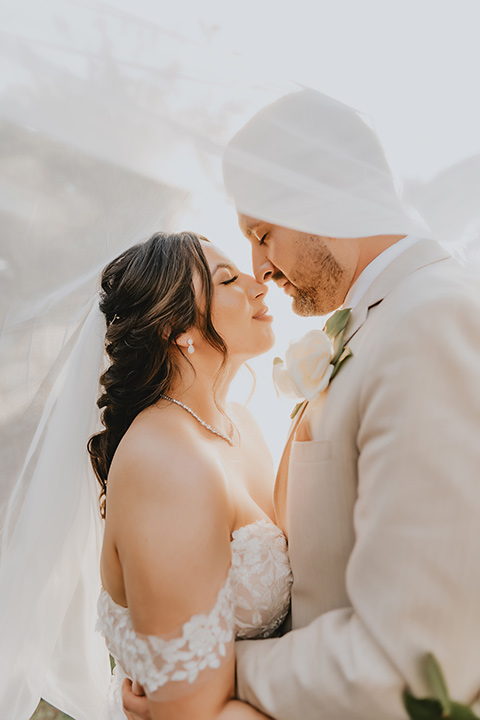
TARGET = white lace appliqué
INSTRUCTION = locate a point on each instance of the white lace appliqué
(203, 642)
(253, 602)
(263, 579)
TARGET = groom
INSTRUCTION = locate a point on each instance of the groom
(378, 489)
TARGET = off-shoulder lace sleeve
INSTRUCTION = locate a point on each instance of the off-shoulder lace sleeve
(168, 666)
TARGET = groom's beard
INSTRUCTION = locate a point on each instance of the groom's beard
(316, 282)
(307, 303)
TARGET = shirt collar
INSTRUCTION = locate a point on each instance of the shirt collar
(373, 269)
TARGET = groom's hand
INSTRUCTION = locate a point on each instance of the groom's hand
(135, 703)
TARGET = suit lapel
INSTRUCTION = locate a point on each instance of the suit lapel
(423, 253)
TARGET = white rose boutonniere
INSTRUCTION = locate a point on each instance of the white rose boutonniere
(312, 362)
(307, 367)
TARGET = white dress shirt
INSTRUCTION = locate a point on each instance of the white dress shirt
(373, 269)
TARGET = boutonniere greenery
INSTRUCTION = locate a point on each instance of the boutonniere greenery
(312, 362)
(439, 705)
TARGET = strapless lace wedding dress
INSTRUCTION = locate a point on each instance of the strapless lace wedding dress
(252, 603)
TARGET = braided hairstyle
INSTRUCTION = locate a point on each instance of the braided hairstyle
(148, 299)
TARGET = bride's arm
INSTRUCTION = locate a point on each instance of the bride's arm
(170, 515)
(136, 707)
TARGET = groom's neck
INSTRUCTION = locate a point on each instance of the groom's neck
(368, 248)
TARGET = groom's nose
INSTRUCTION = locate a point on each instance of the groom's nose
(262, 267)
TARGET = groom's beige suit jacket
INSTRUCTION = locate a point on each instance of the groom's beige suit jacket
(382, 509)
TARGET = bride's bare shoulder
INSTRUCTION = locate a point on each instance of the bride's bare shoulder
(168, 516)
(159, 460)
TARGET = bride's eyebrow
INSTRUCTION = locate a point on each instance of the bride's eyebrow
(225, 265)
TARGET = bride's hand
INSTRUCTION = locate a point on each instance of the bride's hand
(135, 703)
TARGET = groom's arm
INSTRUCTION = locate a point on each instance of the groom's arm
(413, 577)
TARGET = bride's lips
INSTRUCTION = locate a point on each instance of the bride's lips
(263, 316)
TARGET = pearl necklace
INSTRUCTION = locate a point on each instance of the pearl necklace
(202, 422)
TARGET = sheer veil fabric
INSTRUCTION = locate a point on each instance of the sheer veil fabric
(311, 163)
(113, 125)
(51, 543)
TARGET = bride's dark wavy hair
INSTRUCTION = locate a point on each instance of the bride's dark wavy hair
(148, 299)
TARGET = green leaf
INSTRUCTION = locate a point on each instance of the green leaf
(337, 322)
(347, 353)
(297, 408)
(440, 706)
(338, 347)
(431, 709)
(421, 708)
(277, 361)
(461, 712)
(437, 682)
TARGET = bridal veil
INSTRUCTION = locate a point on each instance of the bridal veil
(113, 126)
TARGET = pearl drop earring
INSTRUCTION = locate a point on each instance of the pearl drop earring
(190, 348)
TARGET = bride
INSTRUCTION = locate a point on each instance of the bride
(191, 558)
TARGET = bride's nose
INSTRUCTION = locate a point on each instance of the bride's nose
(258, 289)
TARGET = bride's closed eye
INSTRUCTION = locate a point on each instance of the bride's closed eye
(230, 280)
(262, 239)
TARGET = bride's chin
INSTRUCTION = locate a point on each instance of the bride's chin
(272, 340)
(269, 342)
(259, 347)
